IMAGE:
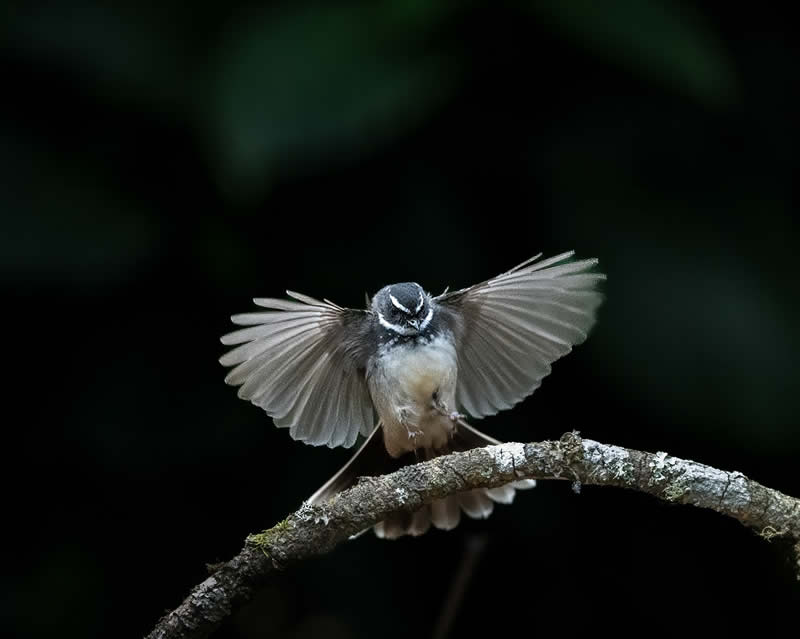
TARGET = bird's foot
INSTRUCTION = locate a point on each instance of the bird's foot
(441, 408)
(413, 433)
(453, 415)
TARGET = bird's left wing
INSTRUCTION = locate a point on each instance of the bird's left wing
(303, 362)
(509, 329)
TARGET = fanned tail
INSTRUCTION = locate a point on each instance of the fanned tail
(445, 514)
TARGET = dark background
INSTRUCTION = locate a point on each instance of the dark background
(162, 166)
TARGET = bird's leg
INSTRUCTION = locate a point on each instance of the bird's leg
(403, 417)
(440, 407)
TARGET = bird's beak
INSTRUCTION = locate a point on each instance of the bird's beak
(414, 323)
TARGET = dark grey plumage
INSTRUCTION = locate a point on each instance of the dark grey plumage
(408, 363)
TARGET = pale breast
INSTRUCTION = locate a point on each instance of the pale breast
(403, 384)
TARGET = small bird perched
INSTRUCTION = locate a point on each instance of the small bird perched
(324, 371)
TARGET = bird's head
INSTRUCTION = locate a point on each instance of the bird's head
(403, 308)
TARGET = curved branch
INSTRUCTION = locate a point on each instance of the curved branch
(316, 530)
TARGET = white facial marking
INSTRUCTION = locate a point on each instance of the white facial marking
(400, 330)
(427, 320)
(421, 301)
(397, 304)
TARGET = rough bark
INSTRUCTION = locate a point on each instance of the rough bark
(316, 530)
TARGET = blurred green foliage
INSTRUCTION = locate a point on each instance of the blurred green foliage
(294, 87)
(667, 42)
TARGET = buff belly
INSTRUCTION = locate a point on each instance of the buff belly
(405, 381)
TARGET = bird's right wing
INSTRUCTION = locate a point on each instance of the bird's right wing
(303, 362)
(509, 329)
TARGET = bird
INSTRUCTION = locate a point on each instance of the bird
(409, 370)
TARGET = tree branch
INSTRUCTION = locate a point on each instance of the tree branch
(316, 530)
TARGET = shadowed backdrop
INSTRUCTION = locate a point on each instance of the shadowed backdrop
(162, 166)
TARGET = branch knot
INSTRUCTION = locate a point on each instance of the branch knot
(571, 446)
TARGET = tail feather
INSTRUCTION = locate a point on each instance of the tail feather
(476, 503)
(501, 494)
(420, 522)
(393, 527)
(444, 514)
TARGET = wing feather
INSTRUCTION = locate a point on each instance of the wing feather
(339, 409)
(302, 361)
(281, 354)
(310, 300)
(494, 376)
(274, 336)
(511, 328)
(279, 305)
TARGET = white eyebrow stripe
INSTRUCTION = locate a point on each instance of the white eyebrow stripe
(398, 304)
(400, 330)
(427, 320)
(421, 301)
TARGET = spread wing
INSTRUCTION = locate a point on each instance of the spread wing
(303, 362)
(509, 329)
